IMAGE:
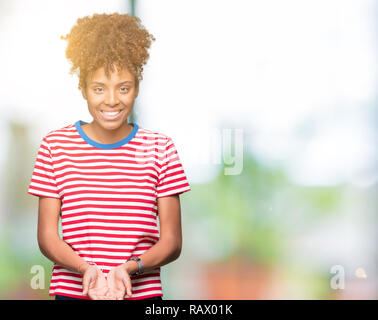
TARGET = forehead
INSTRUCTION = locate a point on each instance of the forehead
(115, 75)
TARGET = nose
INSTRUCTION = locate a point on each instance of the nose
(111, 98)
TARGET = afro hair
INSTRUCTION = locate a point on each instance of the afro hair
(108, 41)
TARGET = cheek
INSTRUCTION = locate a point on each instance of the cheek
(125, 102)
(94, 101)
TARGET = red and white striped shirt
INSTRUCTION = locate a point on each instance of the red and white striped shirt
(109, 198)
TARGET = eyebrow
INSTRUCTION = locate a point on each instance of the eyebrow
(98, 82)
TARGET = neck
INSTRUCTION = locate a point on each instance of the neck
(101, 135)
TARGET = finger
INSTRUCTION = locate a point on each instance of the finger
(112, 296)
(102, 296)
(86, 282)
(127, 285)
(109, 294)
(117, 296)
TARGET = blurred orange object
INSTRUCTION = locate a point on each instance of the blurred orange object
(237, 279)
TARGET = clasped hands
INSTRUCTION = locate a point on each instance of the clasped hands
(114, 287)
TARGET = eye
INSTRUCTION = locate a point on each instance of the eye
(98, 89)
(124, 89)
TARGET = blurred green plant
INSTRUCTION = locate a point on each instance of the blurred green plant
(16, 266)
(251, 215)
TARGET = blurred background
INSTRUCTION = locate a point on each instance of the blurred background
(273, 108)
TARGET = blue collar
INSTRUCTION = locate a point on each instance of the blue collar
(98, 145)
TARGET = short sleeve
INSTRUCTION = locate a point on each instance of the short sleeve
(43, 182)
(172, 179)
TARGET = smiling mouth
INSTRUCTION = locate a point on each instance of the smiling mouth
(110, 115)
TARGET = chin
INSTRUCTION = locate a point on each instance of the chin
(115, 126)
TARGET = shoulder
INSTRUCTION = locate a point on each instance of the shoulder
(151, 135)
(64, 132)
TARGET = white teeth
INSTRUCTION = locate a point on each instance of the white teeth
(110, 113)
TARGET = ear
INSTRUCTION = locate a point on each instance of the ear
(136, 89)
(83, 93)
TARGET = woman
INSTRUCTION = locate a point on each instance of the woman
(108, 180)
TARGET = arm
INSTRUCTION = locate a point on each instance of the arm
(168, 248)
(49, 241)
(58, 251)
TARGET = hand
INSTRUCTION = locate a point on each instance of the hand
(119, 283)
(95, 284)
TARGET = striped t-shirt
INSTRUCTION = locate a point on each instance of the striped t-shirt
(108, 196)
